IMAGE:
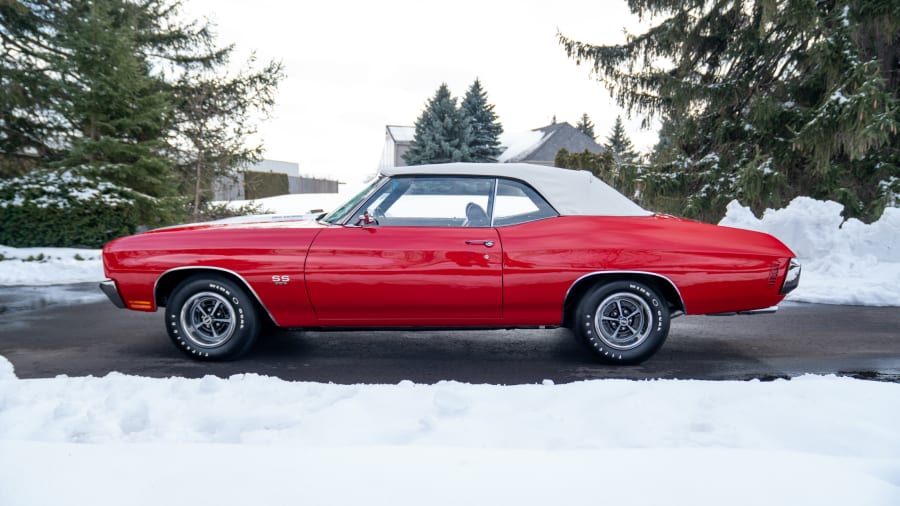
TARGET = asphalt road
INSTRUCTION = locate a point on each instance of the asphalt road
(43, 336)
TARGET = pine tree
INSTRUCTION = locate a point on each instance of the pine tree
(586, 126)
(77, 90)
(442, 132)
(117, 110)
(128, 87)
(484, 138)
(763, 101)
(619, 144)
(29, 128)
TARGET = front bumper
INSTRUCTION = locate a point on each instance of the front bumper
(109, 288)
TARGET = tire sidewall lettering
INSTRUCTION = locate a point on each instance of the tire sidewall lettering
(246, 323)
(585, 324)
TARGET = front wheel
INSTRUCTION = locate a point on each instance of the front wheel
(211, 318)
(623, 322)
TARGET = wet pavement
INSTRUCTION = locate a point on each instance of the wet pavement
(18, 299)
(74, 330)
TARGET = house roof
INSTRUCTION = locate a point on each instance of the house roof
(552, 138)
(570, 192)
(401, 133)
(538, 146)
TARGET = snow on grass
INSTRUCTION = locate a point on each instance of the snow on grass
(259, 440)
(49, 266)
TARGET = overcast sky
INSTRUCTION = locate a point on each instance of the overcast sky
(355, 66)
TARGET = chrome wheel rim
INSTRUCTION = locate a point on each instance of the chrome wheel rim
(623, 321)
(208, 320)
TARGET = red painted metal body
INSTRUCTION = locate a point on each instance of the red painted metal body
(307, 274)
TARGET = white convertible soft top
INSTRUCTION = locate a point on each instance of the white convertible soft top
(570, 192)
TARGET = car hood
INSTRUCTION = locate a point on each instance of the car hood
(219, 238)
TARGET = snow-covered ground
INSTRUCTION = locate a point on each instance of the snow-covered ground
(257, 440)
(49, 266)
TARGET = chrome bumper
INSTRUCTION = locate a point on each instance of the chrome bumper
(792, 278)
(109, 288)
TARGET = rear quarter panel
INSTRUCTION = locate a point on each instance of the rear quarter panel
(716, 269)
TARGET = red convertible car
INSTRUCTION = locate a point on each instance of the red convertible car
(473, 246)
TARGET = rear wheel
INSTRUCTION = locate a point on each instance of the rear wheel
(211, 318)
(623, 322)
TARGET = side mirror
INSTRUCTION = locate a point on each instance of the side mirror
(366, 219)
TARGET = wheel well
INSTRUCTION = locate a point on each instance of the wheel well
(662, 285)
(167, 283)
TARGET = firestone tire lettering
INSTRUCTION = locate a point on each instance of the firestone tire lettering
(633, 322)
(211, 318)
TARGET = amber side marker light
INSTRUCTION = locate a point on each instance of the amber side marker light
(140, 304)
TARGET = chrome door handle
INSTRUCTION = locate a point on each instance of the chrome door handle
(489, 244)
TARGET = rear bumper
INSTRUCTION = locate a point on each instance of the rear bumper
(112, 292)
(792, 278)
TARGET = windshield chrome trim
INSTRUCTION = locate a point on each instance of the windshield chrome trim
(352, 214)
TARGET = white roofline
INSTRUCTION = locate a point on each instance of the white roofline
(570, 192)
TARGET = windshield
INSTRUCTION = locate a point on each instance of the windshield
(338, 215)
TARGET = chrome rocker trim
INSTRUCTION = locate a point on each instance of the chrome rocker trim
(765, 310)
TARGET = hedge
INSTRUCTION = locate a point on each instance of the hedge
(66, 208)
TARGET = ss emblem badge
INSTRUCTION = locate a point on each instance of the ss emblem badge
(281, 280)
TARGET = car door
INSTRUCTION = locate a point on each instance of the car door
(426, 256)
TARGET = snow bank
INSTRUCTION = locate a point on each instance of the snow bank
(843, 263)
(259, 440)
(7, 371)
(815, 229)
(808, 415)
